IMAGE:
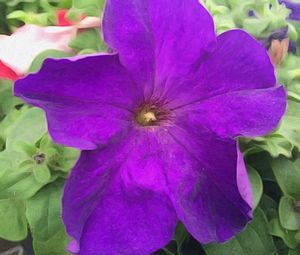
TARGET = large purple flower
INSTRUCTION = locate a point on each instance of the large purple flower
(157, 124)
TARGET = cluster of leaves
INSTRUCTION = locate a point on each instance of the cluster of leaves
(16, 12)
(33, 169)
(32, 174)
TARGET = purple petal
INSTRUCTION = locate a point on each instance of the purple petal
(242, 113)
(113, 202)
(73, 247)
(243, 180)
(238, 63)
(195, 169)
(77, 94)
(203, 179)
(159, 41)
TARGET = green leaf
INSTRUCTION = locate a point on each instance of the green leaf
(289, 217)
(17, 182)
(275, 144)
(285, 138)
(289, 127)
(58, 158)
(287, 174)
(180, 235)
(8, 122)
(253, 240)
(287, 236)
(168, 252)
(88, 7)
(42, 173)
(44, 216)
(7, 100)
(29, 128)
(89, 39)
(269, 206)
(13, 225)
(56, 245)
(295, 251)
(30, 18)
(256, 184)
(5, 165)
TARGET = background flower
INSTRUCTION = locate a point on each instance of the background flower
(17, 57)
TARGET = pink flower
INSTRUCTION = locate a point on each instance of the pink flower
(18, 50)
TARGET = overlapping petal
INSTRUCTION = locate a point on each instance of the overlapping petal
(203, 179)
(86, 110)
(110, 208)
(147, 170)
(238, 63)
(159, 41)
(241, 113)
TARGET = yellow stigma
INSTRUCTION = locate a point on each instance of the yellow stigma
(146, 118)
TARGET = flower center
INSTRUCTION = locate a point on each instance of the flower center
(151, 114)
(146, 118)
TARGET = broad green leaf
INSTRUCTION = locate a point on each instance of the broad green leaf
(88, 7)
(65, 159)
(2, 144)
(16, 2)
(55, 245)
(297, 236)
(44, 216)
(89, 39)
(13, 225)
(295, 251)
(30, 18)
(8, 122)
(7, 100)
(289, 217)
(42, 174)
(253, 240)
(5, 165)
(269, 206)
(256, 184)
(287, 174)
(17, 182)
(287, 236)
(289, 127)
(255, 26)
(29, 128)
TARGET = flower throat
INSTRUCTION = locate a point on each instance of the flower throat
(151, 114)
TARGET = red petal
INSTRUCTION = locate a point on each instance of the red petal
(7, 73)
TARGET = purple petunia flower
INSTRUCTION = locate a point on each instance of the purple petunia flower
(157, 123)
(294, 7)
